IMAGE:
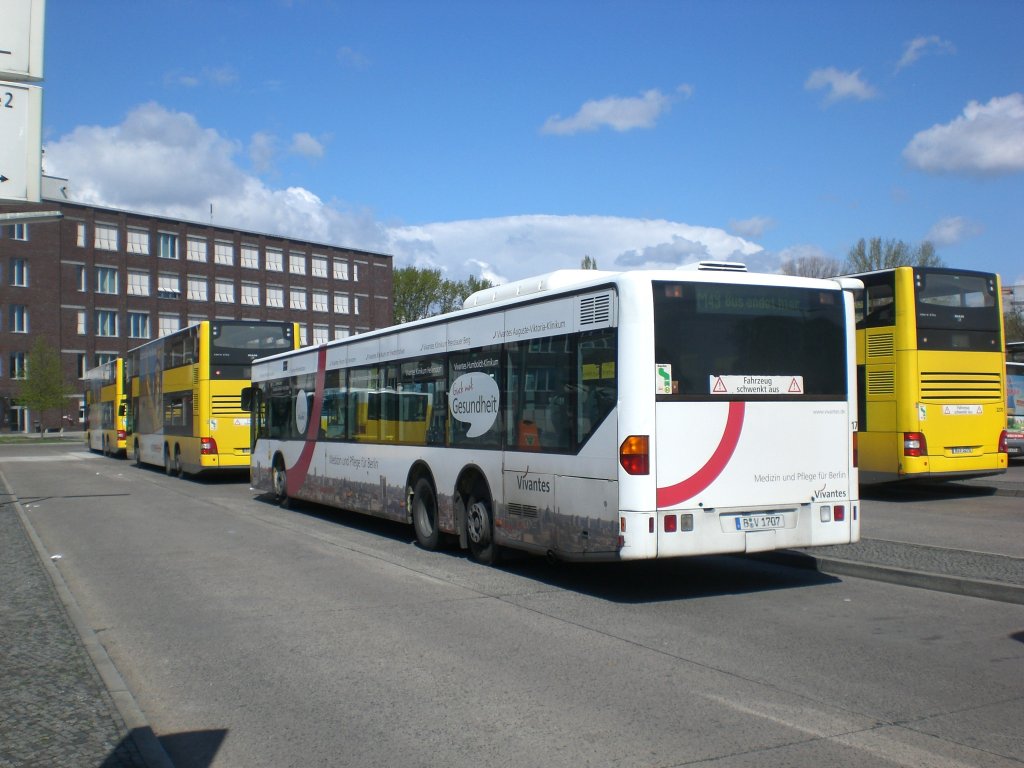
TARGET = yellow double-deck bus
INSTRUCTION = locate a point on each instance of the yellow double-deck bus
(931, 375)
(185, 388)
(105, 408)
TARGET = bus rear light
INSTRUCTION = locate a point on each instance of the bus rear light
(914, 444)
(855, 456)
(622, 525)
(634, 455)
(839, 513)
(825, 513)
(1002, 442)
(686, 522)
(650, 525)
(671, 521)
(121, 435)
(207, 446)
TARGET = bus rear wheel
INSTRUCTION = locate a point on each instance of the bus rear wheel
(279, 478)
(424, 514)
(480, 530)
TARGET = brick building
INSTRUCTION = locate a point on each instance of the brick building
(100, 281)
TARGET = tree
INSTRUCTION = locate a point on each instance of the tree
(589, 262)
(45, 389)
(814, 265)
(1013, 322)
(884, 254)
(420, 293)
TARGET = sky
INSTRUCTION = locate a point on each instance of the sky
(508, 139)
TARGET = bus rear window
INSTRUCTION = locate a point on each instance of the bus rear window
(241, 342)
(948, 300)
(711, 338)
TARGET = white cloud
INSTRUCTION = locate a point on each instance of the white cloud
(306, 145)
(753, 227)
(919, 46)
(620, 114)
(952, 230)
(262, 148)
(840, 85)
(987, 139)
(163, 162)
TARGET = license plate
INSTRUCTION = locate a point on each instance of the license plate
(758, 522)
(961, 450)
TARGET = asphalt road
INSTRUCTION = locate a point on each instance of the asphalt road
(256, 636)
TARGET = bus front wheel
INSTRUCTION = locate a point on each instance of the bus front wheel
(480, 530)
(279, 477)
(424, 514)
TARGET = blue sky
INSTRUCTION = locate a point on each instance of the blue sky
(508, 139)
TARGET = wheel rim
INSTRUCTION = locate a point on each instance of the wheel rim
(478, 525)
(280, 482)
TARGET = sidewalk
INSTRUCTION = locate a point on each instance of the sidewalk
(62, 702)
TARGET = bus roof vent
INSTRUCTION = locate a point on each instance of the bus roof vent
(595, 310)
(550, 281)
(716, 266)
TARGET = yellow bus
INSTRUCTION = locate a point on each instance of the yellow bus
(931, 375)
(105, 408)
(185, 388)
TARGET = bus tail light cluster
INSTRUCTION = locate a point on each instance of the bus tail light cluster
(855, 456)
(682, 523)
(122, 435)
(914, 444)
(207, 446)
(634, 455)
(1002, 442)
(829, 513)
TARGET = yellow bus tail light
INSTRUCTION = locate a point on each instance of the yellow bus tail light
(914, 444)
(207, 446)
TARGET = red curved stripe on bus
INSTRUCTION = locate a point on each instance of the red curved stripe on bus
(296, 475)
(706, 475)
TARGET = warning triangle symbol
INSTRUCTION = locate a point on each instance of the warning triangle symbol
(795, 388)
(719, 385)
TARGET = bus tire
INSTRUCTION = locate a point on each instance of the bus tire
(424, 514)
(279, 478)
(138, 455)
(168, 468)
(480, 529)
(176, 466)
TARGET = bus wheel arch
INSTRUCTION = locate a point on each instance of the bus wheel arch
(475, 515)
(422, 508)
(176, 464)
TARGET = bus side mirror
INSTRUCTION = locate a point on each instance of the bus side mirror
(247, 399)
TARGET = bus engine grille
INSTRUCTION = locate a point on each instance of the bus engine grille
(950, 385)
(226, 405)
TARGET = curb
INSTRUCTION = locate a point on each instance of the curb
(957, 585)
(139, 730)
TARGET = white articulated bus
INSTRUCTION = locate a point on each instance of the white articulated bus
(585, 415)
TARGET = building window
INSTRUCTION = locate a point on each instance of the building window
(223, 253)
(80, 277)
(321, 334)
(138, 241)
(355, 271)
(319, 266)
(19, 273)
(340, 269)
(19, 318)
(106, 280)
(19, 370)
(250, 257)
(275, 296)
(302, 335)
(103, 358)
(297, 263)
(169, 324)
(197, 288)
(17, 231)
(341, 333)
(106, 237)
(138, 325)
(196, 249)
(106, 322)
(225, 292)
(195, 319)
(340, 304)
(320, 301)
(82, 367)
(356, 305)
(298, 298)
(275, 260)
(80, 230)
(251, 294)
(169, 287)
(138, 283)
(81, 324)
(168, 245)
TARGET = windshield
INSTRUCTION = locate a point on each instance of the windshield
(721, 341)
